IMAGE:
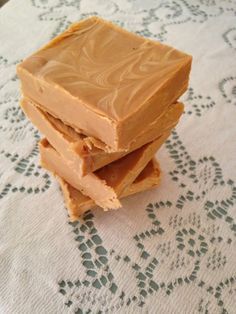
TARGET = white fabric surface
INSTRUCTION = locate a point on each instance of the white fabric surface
(170, 250)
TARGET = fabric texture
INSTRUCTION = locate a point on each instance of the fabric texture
(169, 250)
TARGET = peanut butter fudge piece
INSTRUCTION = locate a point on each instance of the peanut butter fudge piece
(77, 203)
(104, 81)
(106, 184)
(80, 151)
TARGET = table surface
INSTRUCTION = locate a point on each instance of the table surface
(169, 250)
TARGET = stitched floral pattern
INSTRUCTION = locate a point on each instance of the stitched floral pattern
(171, 250)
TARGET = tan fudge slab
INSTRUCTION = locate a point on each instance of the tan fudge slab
(104, 81)
(77, 203)
(78, 150)
(106, 184)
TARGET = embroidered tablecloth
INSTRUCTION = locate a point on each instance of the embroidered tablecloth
(169, 250)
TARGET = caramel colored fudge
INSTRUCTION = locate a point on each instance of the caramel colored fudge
(80, 151)
(77, 203)
(106, 184)
(105, 82)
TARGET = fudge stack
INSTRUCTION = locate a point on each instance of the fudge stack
(106, 100)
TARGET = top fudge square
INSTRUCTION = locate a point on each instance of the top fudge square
(104, 81)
